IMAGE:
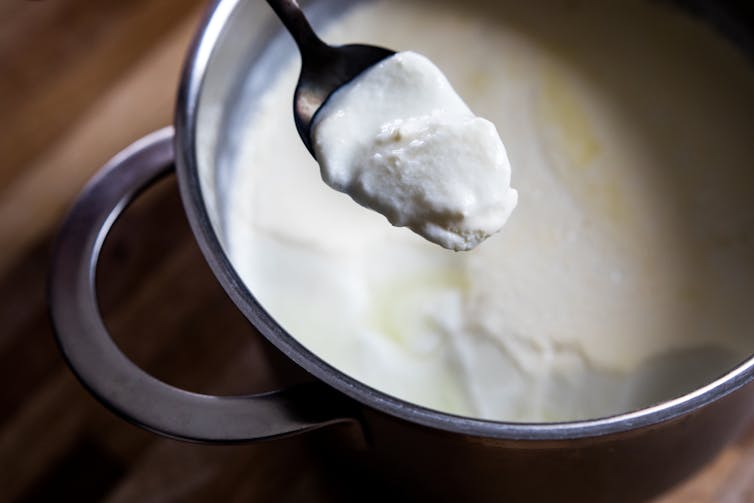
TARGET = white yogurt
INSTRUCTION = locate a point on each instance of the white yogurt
(399, 140)
(623, 278)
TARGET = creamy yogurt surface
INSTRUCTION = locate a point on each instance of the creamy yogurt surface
(399, 140)
(623, 278)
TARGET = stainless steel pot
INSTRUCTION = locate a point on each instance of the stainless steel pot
(627, 457)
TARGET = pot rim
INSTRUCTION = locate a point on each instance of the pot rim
(189, 93)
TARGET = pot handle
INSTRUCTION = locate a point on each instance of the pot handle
(109, 374)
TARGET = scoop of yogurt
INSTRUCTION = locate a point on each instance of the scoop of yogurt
(399, 140)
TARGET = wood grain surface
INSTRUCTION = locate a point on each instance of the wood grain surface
(80, 80)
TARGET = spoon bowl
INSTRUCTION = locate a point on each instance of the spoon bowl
(324, 68)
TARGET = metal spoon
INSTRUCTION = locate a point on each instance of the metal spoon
(324, 68)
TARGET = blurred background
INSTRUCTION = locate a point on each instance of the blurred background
(80, 80)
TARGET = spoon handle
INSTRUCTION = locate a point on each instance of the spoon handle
(295, 21)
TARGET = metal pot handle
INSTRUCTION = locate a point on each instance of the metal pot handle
(109, 374)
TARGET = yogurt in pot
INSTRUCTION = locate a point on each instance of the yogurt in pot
(624, 276)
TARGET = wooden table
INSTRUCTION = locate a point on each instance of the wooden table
(80, 80)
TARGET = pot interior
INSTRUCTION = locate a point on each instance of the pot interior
(648, 81)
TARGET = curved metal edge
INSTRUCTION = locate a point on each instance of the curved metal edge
(189, 92)
(109, 374)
